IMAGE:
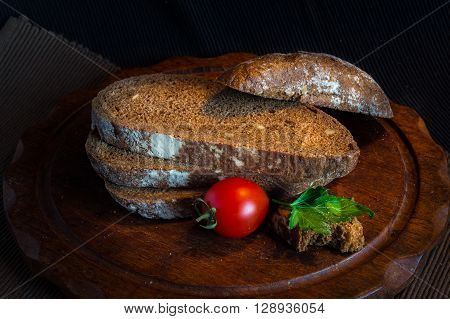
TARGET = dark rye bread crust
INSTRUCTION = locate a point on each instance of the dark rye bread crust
(124, 168)
(347, 237)
(312, 78)
(196, 121)
(155, 203)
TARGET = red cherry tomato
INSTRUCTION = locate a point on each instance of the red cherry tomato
(234, 207)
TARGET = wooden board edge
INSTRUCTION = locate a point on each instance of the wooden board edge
(408, 267)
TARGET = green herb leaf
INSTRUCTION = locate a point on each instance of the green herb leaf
(309, 195)
(310, 218)
(315, 209)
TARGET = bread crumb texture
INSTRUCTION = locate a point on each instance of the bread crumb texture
(346, 237)
(126, 168)
(162, 109)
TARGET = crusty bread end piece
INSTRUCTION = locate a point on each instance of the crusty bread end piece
(347, 237)
(312, 78)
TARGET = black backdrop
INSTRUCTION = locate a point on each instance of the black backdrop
(412, 67)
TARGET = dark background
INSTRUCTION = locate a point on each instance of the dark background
(413, 68)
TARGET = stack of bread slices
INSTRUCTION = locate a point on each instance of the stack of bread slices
(160, 140)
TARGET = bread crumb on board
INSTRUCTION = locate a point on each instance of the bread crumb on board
(347, 237)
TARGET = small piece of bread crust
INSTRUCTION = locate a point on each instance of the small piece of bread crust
(348, 237)
(312, 78)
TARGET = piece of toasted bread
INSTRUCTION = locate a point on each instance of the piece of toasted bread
(312, 78)
(195, 120)
(125, 168)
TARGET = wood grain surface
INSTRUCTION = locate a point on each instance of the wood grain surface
(71, 230)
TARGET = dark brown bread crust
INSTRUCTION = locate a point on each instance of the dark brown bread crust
(347, 237)
(312, 78)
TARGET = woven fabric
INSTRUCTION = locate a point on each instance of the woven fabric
(38, 66)
(433, 281)
(36, 69)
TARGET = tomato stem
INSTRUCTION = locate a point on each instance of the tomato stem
(209, 215)
(204, 216)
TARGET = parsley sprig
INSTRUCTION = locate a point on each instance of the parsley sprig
(315, 209)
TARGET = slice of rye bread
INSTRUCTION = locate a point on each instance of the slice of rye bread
(197, 121)
(347, 236)
(312, 78)
(155, 203)
(125, 168)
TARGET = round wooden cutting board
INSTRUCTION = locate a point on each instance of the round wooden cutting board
(71, 231)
